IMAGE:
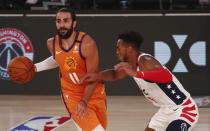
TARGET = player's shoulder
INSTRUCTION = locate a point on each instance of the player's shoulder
(144, 57)
(50, 40)
(50, 44)
(148, 60)
(88, 41)
(88, 46)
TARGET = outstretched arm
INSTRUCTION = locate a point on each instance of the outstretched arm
(150, 69)
(112, 75)
(48, 63)
(106, 75)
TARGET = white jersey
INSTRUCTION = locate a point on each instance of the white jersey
(162, 94)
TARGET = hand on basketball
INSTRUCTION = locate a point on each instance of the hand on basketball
(90, 77)
(126, 67)
(81, 110)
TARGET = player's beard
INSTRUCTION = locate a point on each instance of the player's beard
(68, 33)
(125, 58)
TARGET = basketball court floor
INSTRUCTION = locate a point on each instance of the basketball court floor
(125, 113)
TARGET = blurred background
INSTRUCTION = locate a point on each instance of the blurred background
(176, 32)
(51, 5)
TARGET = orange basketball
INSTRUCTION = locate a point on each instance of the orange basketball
(21, 69)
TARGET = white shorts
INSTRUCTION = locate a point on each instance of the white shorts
(178, 118)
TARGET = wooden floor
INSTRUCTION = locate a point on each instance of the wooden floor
(125, 113)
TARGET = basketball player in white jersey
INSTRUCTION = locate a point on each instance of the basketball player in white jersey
(178, 111)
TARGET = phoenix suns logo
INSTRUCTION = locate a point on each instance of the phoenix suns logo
(70, 63)
(13, 43)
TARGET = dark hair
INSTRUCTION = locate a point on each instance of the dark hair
(71, 11)
(132, 38)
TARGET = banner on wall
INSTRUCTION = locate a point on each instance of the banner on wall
(180, 43)
(13, 43)
(196, 52)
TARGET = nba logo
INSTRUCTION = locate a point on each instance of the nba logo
(42, 124)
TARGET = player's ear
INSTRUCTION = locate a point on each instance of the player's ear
(129, 49)
(74, 24)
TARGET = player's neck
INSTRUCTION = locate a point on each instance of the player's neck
(132, 58)
(66, 43)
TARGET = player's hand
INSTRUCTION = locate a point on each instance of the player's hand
(126, 67)
(90, 77)
(81, 110)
